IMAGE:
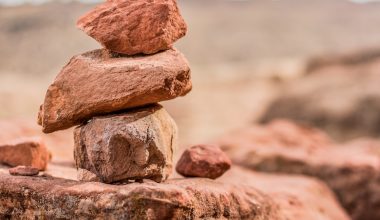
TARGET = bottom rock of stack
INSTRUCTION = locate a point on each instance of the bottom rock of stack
(134, 145)
(239, 194)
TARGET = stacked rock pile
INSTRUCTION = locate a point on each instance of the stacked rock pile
(112, 93)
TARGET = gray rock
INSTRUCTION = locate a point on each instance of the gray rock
(134, 145)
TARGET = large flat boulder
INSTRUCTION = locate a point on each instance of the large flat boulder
(134, 145)
(352, 169)
(54, 198)
(98, 82)
(133, 27)
(240, 194)
(297, 197)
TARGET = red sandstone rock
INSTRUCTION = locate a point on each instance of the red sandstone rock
(134, 145)
(352, 170)
(87, 176)
(23, 171)
(203, 161)
(133, 27)
(54, 198)
(97, 83)
(26, 152)
(239, 194)
(297, 197)
(60, 143)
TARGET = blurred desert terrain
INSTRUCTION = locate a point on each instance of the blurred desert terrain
(241, 53)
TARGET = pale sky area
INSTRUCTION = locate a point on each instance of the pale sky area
(19, 2)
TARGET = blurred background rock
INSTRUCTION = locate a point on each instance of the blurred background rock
(316, 62)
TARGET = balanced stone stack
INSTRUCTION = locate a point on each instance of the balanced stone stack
(112, 93)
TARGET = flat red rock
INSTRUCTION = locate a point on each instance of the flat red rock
(239, 194)
(351, 169)
(207, 161)
(133, 27)
(297, 196)
(23, 171)
(98, 82)
(56, 198)
(25, 152)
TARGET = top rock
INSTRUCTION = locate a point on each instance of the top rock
(134, 27)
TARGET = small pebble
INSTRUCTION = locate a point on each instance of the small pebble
(207, 161)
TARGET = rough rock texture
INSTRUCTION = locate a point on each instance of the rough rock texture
(138, 144)
(97, 83)
(52, 198)
(26, 152)
(23, 171)
(87, 176)
(297, 197)
(239, 194)
(133, 27)
(207, 161)
(342, 98)
(352, 169)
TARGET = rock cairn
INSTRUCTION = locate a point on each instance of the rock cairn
(112, 93)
